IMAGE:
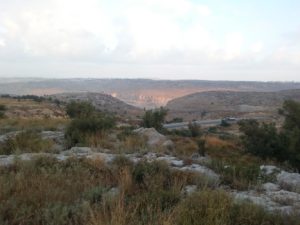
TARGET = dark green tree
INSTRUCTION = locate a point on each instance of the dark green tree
(154, 118)
(262, 140)
(195, 129)
(291, 130)
(2, 111)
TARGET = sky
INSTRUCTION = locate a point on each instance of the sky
(158, 39)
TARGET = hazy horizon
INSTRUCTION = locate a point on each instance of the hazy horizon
(25, 78)
(151, 39)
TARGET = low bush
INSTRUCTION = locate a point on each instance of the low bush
(154, 118)
(2, 111)
(80, 109)
(237, 175)
(80, 129)
(24, 142)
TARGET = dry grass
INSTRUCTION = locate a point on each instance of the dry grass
(213, 141)
(14, 124)
(133, 143)
(30, 109)
(28, 114)
(228, 150)
(185, 146)
(101, 140)
(45, 191)
(25, 142)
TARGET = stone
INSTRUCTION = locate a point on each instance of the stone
(168, 144)
(278, 201)
(78, 151)
(203, 170)
(154, 138)
(269, 169)
(188, 190)
(289, 181)
(270, 187)
(284, 197)
(56, 136)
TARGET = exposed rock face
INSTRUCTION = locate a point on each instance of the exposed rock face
(56, 136)
(154, 138)
(289, 180)
(85, 152)
(270, 187)
(78, 151)
(269, 169)
(283, 201)
(4, 137)
(189, 189)
(278, 196)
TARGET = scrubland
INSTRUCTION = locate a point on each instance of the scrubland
(81, 190)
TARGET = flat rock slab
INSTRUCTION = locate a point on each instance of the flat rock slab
(289, 180)
(282, 201)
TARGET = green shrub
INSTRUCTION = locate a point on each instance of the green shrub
(263, 140)
(80, 109)
(238, 176)
(81, 128)
(2, 111)
(3, 107)
(291, 113)
(152, 176)
(194, 129)
(154, 118)
(2, 115)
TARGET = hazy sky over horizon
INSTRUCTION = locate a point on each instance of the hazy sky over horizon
(164, 39)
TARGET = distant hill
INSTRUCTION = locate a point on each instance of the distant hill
(102, 102)
(216, 104)
(138, 92)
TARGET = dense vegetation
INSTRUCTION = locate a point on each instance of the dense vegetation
(87, 122)
(154, 118)
(264, 140)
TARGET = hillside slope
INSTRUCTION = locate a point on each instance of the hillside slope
(102, 102)
(138, 92)
(215, 104)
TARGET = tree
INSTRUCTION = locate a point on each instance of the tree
(291, 130)
(201, 146)
(262, 140)
(2, 111)
(154, 118)
(291, 112)
(195, 129)
(265, 141)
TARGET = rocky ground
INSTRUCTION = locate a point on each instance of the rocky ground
(281, 193)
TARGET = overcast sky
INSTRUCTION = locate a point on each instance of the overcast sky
(161, 39)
